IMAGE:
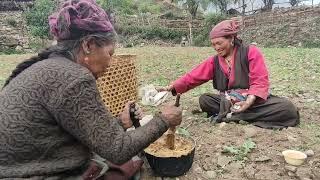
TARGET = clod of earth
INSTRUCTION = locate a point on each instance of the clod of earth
(223, 161)
(291, 168)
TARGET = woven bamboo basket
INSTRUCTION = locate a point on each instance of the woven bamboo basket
(119, 84)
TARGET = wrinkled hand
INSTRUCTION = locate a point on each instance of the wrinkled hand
(124, 116)
(171, 114)
(166, 88)
(243, 105)
(138, 114)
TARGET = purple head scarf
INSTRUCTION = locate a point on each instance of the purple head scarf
(79, 17)
(225, 28)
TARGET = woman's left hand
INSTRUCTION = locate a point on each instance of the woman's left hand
(124, 116)
(138, 114)
(243, 105)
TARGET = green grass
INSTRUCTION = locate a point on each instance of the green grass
(7, 64)
(291, 70)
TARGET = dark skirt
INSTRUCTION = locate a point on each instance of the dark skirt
(276, 112)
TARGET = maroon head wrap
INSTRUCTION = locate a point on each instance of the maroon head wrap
(224, 28)
(77, 18)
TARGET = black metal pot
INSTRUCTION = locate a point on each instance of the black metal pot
(171, 166)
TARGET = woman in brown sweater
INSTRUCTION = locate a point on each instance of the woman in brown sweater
(51, 113)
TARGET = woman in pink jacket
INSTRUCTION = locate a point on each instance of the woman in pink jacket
(240, 74)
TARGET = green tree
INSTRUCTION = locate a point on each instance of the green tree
(129, 6)
(37, 17)
(123, 6)
(268, 4)
(193, 5)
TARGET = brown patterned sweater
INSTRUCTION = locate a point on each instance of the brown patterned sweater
(52, 117)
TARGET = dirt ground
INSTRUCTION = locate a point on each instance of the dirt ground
(265, 162)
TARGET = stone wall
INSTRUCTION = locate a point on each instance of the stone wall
(15, 5)
(281, 15)
(13, 32)
(283, 27)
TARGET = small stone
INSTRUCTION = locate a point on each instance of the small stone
(223, 124)
(211, 174)
(291, 174)
(309, 153)
(291, 168)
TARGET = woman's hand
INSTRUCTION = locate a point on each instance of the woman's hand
(166, 88)
(243, 105)
(171, 114)
(138, 114)
(124, 116)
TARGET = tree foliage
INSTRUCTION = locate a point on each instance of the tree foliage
(37, 17)
(129, 7)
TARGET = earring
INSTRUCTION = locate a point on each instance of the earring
(232, 43)
(86, 59)
(87, 52)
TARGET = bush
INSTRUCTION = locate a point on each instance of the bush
(12, 22)
(146, 6)
(129, 7)
(130, 35)
(9, 51)
(37, 17)
(311, 43)
(201, 38)
(123, 6)
(152, 32)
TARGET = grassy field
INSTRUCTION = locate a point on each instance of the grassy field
(294, 73)
(291, 70)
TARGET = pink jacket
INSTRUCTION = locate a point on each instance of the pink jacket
(258, 74)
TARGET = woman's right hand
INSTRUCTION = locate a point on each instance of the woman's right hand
(171, 114)
(166, 88)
